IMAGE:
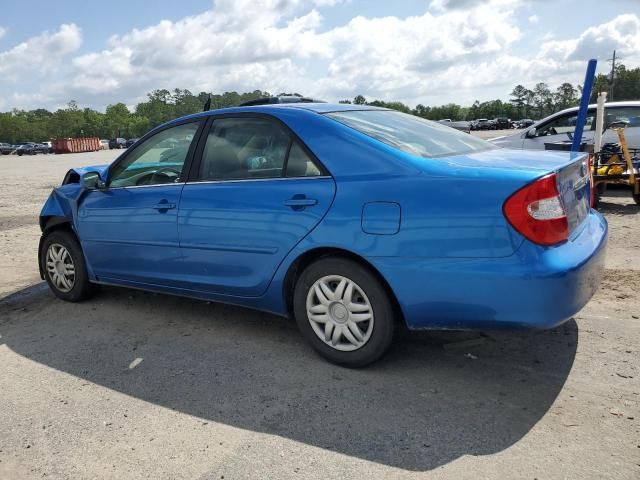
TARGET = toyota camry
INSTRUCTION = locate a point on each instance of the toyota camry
(352, 219)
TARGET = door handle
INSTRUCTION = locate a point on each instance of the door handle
(164, 206)
(298, 202)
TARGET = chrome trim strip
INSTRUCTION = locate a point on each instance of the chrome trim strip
(243, 180)
(138, 243)
(180, 184)
(230, 248)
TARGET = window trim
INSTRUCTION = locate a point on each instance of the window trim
(194, 170)
(187, 161)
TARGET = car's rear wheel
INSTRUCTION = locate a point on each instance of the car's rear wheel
(64, 267)
(344, 311)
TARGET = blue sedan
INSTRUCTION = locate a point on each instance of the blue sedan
(352, 219)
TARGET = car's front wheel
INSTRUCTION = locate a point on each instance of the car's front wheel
(344, 311)
(64, 267)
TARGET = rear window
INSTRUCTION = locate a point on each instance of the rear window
(411, 134)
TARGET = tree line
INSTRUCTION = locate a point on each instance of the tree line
(163, 105)
(116, 121)
(534, 103)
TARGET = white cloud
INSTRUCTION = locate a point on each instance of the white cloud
(3, 31)
(534, 19)
(281, 46)
(621, 34)
(442, 5)
(43, 51)
(458, 50)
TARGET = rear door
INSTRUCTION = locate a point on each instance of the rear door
(254, 193)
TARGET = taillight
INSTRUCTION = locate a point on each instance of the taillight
(537, 212)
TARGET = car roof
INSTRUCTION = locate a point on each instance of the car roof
(630, 103)
(275, 107)
(319, 107)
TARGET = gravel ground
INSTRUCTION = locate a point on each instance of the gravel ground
(137, 385)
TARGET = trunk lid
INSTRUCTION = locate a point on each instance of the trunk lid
(525, 166)
(574, 188)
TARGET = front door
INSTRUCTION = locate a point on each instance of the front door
(257, 193)
(129, 230)
(561, 129)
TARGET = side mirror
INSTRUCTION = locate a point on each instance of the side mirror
(531, 132)
(92, 181)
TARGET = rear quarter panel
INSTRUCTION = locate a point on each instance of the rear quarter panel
(449, 208)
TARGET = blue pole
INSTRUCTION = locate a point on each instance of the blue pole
(584, 105)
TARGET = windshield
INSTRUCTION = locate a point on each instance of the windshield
(411, 134)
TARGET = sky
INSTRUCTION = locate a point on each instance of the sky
(428, 51)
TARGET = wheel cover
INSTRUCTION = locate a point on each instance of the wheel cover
(60, 268)
(340, 313)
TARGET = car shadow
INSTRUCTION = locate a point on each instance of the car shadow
(606, 204)
(432, 399)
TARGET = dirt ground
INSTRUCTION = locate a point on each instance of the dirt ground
(137, 385)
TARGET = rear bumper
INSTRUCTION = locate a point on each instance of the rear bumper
(536, 287)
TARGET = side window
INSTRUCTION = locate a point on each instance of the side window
(299, 164)
(629, 115)
(156, 161)
(244, 148)
(565, 124)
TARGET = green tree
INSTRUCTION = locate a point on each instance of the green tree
(519, 96)
(359, 100)
(565, 96)
(543, 99)
(116, 120)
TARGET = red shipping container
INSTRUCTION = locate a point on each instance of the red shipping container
(76, 145)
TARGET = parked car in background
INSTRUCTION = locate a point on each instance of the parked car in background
(483, 124)
(104, 144)
(275, 211)
(130, 142)
(6, 149)
(560, 127)
(49, 146)
(524, 123)
(502, 123)
(116, 143)
(32, 149)
(461, 125)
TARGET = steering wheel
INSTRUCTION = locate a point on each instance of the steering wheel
(169, 173)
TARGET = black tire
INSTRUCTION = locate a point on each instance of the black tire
(82, 288)
(383, 312)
